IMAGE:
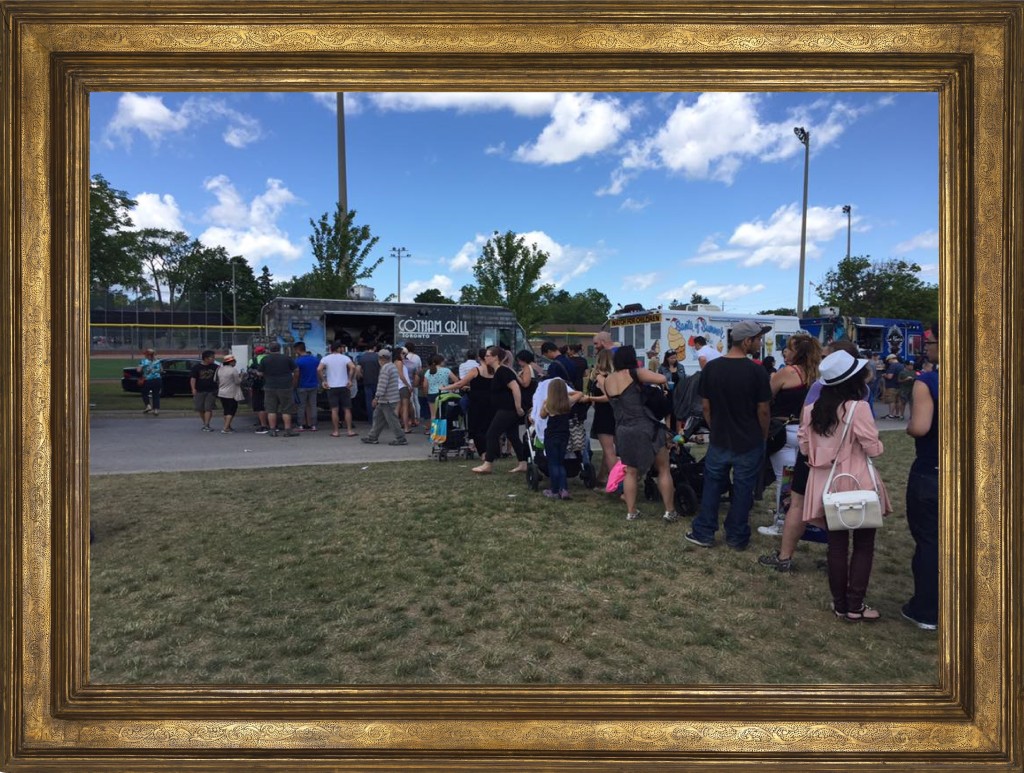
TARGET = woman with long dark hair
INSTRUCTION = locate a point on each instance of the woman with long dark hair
(790, 385)
(507, 402)
(641, 439)
(479, 411)
(844, 379)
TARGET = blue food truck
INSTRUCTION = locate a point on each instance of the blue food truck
(881, 335)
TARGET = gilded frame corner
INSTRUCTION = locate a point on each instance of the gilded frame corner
(54, 54)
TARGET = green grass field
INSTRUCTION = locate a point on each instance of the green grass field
(421, 572)
(102, 368)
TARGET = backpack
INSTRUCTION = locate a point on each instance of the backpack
(252, 378)
(654, 397)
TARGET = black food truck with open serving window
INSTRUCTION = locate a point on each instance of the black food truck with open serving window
(434, 328)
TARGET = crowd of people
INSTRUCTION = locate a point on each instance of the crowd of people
(808, 424)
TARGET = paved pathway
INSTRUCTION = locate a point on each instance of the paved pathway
(121, 443)
(175, 442)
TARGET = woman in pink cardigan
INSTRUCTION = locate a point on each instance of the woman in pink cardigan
(843, 378)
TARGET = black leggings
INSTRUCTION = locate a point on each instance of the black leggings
(230, 406)
(505, 422)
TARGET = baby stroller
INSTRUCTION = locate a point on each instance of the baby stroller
(577, 457)
(448, 432)
(687, 474)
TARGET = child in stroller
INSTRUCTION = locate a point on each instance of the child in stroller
(448, 430)
(576, 461)
(687, 471)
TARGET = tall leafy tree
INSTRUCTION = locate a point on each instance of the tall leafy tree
(590, 307)
(432, 295)
(507, 274)
(265, 285)
(112, 261)
(341, 250)
(891, 288)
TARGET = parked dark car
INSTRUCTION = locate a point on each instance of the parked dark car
(175, 375)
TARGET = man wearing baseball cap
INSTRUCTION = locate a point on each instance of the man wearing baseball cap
(736, 395)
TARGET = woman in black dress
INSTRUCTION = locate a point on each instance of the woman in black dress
(480, 412)
(507, 402)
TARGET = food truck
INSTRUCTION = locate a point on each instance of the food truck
(435, 328)
(878, 335)
(659, 330)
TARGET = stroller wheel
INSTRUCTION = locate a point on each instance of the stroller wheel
(687, 502)
(651, 489)
(532, 476)
(588, 476)
(442, 455)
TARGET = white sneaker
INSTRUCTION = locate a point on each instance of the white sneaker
(775, 530)
(670, 516)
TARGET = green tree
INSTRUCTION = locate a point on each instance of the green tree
(892, 288)
(265, 285)
(782, 311)
(432, 295)
(112, 260)
(697, 298)
(340, 249)
(507, 274)
(590, 307)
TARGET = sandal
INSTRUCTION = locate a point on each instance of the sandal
(864, 614)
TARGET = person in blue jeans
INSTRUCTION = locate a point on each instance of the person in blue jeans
(736, 396)
(923, 493)
(557, 409)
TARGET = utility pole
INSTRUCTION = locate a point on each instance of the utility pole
(805, 138)
(397, 253)
(342, 172)
(234, 298)
(848, 210)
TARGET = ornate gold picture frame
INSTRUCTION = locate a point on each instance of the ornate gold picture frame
(55, 54)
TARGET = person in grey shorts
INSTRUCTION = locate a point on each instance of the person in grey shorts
(280, 377)
(385, 403)
(204, 388)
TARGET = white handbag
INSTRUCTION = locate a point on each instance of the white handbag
(849, 510)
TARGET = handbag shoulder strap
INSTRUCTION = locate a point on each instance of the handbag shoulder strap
(846, 427)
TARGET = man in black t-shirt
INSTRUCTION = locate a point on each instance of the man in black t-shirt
(736, 395)
(204, 388)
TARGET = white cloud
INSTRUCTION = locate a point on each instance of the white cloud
(928, 240)
(632, 205)
(523, 104)
(439, 281)
(155, 211)
(146, 115)
(329, 100)
(639, 281)
(777, 240)
(466, 257)
(712, 137)
(565, 262)
(249, 229)
(149, 116)
(717, 293)
(495, 150)
(580, 126)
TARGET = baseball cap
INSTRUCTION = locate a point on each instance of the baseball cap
(839, 366)
(259, 350)
(748, 329)
(384, 354)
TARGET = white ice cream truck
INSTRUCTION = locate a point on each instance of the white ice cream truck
(663, 329)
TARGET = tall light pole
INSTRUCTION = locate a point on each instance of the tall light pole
(848, 211)
(342, 172)
(805, 138)
(397, 253)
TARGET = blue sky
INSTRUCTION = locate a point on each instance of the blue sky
(646, 197)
